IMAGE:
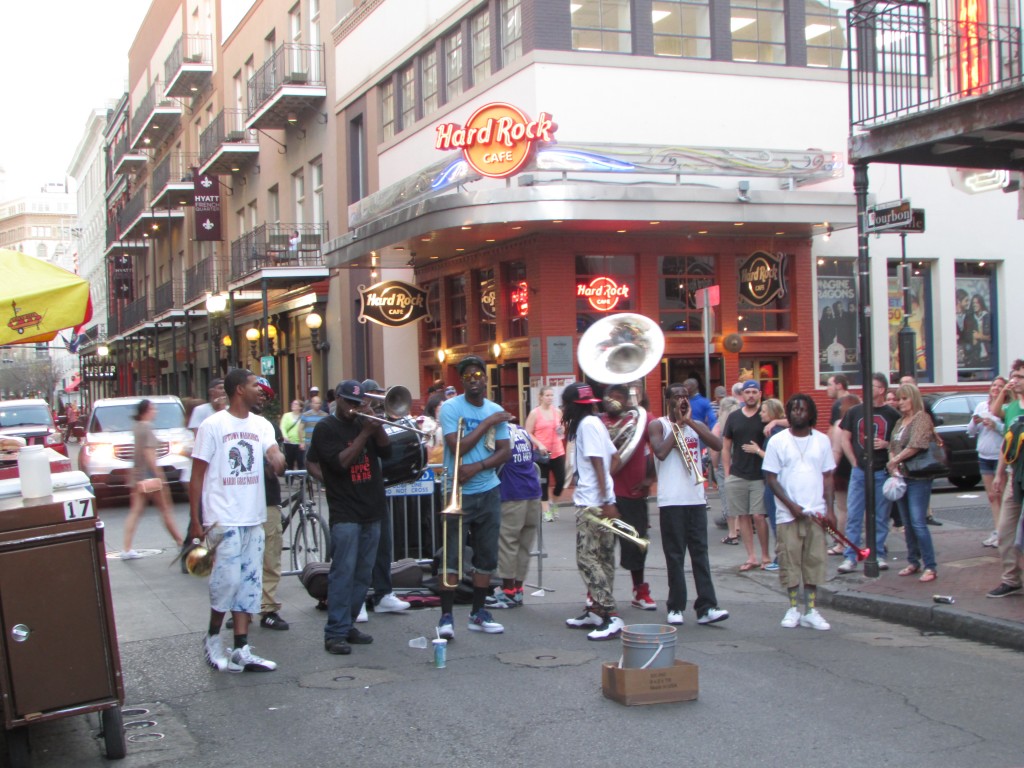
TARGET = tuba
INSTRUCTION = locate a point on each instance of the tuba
(618, 349)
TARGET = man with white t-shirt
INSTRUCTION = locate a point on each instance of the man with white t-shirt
(227, 486)
(216, 401)
(798, 465)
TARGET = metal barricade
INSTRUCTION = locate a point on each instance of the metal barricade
(413, 509)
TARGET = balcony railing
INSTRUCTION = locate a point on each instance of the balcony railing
(291, 64)
(168, 296)
(154, 105)
(111, 232)
(227, 128)
(905, 62)
(137, 205)
(199, 279)
(136, 313)
(124, 155)
(189, 65)
(278, 245)
(113, 327)
(175, 170)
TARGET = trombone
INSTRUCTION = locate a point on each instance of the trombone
(397, 402)
(688, 461)
(454, 509)
(592, 515)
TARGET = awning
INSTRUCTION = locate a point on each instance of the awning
(76, 382)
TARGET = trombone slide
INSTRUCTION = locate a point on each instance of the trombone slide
(454, 509)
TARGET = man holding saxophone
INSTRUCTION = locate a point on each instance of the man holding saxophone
(682, 504)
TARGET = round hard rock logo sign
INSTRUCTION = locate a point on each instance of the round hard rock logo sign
(498, 138)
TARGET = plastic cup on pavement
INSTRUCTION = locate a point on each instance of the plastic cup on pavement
(418, 642)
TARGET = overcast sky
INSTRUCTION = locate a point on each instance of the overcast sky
(59, 59)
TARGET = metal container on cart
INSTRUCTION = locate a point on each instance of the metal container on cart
(58, 647)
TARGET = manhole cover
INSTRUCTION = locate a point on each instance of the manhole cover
(546, 657)
(139, 738)
(352, 677)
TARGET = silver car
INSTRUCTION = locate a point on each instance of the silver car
(108, 450)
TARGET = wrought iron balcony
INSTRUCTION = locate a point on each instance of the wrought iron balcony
(172, 180)
(200, 279)
(127, 159)
(168, 297)
(136, 313)
(189, 66)
(930, 90)
(290, 81)
(155, 118)
(286, 254)
(116, 242)
(227, 146)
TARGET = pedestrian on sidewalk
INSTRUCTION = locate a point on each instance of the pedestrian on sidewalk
(798, 466)
(988, 429)
(544, 425)
(742, 440)
(1008, 482)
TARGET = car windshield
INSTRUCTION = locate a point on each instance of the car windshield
(121, 417)
(25, 416)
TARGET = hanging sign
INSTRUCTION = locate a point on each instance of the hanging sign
(392, 304)
(207, 212)
(762, 278)
(498, 138)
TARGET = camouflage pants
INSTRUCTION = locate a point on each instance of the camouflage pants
(595, 557)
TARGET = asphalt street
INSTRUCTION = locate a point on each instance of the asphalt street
(867, 692)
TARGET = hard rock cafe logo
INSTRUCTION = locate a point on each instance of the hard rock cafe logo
(498, 138)
(763, 278)
(488, 298)
(392, 303)
(602, 293)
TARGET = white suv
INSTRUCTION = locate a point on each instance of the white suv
(108, 450)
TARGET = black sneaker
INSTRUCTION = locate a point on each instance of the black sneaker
(1003, 590)
(357, 637)
(321, 605)
(273, 621)
(337, 646)
(932, 521)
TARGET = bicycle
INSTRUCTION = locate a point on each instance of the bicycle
(310, 537)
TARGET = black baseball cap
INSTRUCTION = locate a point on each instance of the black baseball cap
(469, 360)
(350, 390)
(370, 385)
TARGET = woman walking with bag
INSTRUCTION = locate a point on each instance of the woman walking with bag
(912, 435)
(544, 425)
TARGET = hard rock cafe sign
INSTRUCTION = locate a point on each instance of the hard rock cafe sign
(763, 278)
(602, 293)
(498, 138)
(392, 303)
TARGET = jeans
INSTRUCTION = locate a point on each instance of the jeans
(855, 513)
(381, 579)
(685, 529)
(353, 549)
(914, 512)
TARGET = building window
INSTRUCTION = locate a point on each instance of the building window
(758, 31)
(457, 300)
(453, 65)
(682, 28)
(919, 320)
(976, 324)
(825, 33)
(511, 31)
(771, 313)
(601, 25)
(481, 29)
(517, 294)
(603, 284)
(838, 351)
(432, 323)
(316, 169)
(428, 80)
(487, 295)
(407, 78)
(299, 185)
(356, 159)
(387, 110)
(273, 206)
(680, 277)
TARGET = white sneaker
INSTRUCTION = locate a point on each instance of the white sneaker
(244, 658)
(213, 648)
(713, 616)
(791, 619)
(883, 564)
(130, 554)
(610, 628)
(390, 603)
(992, 540)
(847, 566)
(362, 618)
(584, 620)
(675, 617)
(814, 620)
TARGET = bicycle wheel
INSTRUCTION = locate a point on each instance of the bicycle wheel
(310, 539)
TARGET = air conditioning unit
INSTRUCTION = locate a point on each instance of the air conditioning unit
(296, 77)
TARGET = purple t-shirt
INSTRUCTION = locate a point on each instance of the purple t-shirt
(519, 479)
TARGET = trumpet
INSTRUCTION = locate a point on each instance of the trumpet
(688, 461)
(198, 558)
(454, 509)
(592, 515)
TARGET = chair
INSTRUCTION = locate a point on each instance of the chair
(277, 248)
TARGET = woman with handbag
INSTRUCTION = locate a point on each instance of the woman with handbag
(544, 425)
(147, 481)
(913, 436)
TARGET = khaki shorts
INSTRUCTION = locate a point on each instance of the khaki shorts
(744, 497)
(800, 546)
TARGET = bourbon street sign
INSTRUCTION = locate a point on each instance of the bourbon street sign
(498, 138)
(392, 304)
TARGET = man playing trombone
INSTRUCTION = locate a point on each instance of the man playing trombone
(682, 505)
(467, 421)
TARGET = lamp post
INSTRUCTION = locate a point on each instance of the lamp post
(252, 336)
(216, 303)
(314, 322)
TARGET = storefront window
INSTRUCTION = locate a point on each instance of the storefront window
(456, 290)
(764, 303)
(838, 350)
(682, 28)
(517, 296)
(767, 372)
(432, 323)
(486, 295)
(603, 284)
(680, 278)
(919, 320)
(976, 325)
(601, 25)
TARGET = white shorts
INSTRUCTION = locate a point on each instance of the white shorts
(236, 582)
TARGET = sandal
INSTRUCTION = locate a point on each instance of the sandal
(910, 570)
(748, 567)
(837, 550)
(731, 540)
(928, 575)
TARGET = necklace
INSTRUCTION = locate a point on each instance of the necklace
(804, 441)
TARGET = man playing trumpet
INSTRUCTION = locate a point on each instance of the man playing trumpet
(682, 504)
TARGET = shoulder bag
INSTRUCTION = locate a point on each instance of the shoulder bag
(929, 463)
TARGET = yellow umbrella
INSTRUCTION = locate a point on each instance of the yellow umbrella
(38, 299)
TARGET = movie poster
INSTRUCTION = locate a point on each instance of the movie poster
(838, 347)
(918, 321)
(975, 329)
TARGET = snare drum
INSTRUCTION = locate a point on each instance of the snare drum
(408, 456)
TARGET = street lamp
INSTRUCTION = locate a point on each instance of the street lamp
(314, 322)
(252, 336)
(215, 304)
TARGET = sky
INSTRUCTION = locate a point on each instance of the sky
(60, 59)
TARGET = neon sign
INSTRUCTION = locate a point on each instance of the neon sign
(602, 293)
(520, 299)
(498, 138)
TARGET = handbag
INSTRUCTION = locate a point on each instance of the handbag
(927, 464)
(540, 457)
(150, 485)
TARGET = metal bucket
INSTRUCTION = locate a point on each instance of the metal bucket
(648, 646)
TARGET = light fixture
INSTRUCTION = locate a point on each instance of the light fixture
(828, 233)
(292, 118)
(226, 341)
(235, 169)
(737, 223)
(103, 350)
(821, 262)
(253, 335)
(313, 322)
(146, 140)
(216, 303)
(743, 191)
(496, 350)
(441, 356)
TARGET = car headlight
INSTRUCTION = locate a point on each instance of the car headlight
(54, 438)
(100, 451)
(180, 448)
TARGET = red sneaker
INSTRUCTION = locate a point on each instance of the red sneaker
(642, 598)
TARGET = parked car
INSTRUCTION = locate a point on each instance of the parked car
(32, 420)
(108, 449)
(952, 412)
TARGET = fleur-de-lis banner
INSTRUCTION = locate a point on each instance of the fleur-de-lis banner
(207, 213)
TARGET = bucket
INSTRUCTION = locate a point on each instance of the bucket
(648, 646)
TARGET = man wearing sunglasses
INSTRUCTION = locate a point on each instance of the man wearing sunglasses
(1010, 407)
(484, 446)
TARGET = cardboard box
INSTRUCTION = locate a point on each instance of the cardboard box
(650, 686)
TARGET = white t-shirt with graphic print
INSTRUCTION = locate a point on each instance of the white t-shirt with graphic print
(234, 448)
